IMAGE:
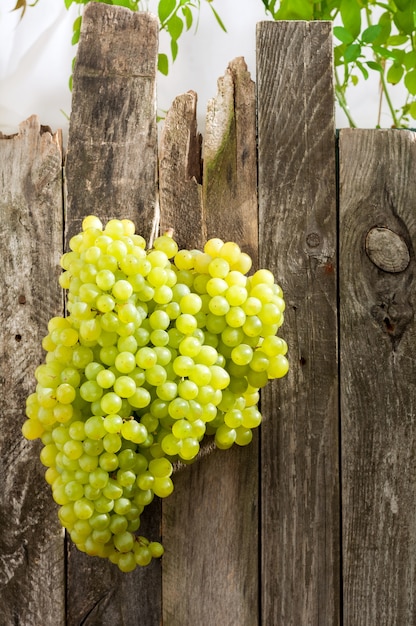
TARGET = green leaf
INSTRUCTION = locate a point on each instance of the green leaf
(174, 48)
(410, 82)
(339, 54)
(404, 21)
(165, 9)
(352, 52)
(395, 73)
(219, 20)
(371, 33)
(76, 30)
(175, 27)
(187, 13)
(295, 10)
(397, 40)
(374, 66)
(409, 60)
(363, 70)
(343, 34)
(385, 23)
(402, 5)
(386, 53)
(163, 64)
(351, 16)
(412, 110)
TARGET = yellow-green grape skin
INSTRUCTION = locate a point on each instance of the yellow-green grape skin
(159, 348)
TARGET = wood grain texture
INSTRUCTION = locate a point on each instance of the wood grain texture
(230, 159)
(111, 172)
(210, 522)
(32, 559)
(297, 235)
(378, 380)
(111, 162)
(180, 190)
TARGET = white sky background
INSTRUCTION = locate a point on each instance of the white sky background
(36, 55)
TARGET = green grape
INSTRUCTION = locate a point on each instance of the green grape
(186, 324)
(111, 403)
(170, 445)
(134, 431)
(213, 246)
(259, 362)
(200, 374)
(225, 436)
(230, 251)
(279, 366)
(244, 436)
(124, 386)
(112, 491)
(156, 549)
(87, 462)
(83, 508)
(189, 448)
(182, 429)
(162, 486)
(178, 408)
(143, 556)
(127, 562)
(108, 461)
(153, 355)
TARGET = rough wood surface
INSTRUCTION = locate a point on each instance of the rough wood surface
(180, 191)
(112, 161)
(378, 383)
(230, 159)
(297, 234)
(111, 172)
(32, 563)
(210, 522)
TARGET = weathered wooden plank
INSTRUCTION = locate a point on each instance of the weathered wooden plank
(32, 558)
(111, 172)
(180, 191)
(297, 234)
(378, 376)
(230, 159)
(111, 161)
(210, 532)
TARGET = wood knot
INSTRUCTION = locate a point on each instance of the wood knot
(387, 250)
(313, 240)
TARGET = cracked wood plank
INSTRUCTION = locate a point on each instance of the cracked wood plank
(297, 234)
(111, 163)
(378, 383)
(210, 522)
(111, 172)
(32, 554)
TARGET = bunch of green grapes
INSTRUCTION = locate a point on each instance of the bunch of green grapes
(159, 348)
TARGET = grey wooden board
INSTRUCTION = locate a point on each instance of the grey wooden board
(210, 522)
(111, 162)
(111, 169)
(297, 234)
(32, 560)
(378, 378)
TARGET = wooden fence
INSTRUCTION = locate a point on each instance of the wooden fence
(314, 523)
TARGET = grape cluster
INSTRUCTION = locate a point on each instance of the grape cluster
(159, 348)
